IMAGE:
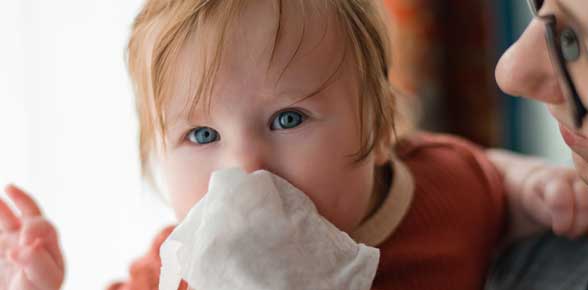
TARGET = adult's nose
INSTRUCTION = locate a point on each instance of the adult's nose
(525, 69)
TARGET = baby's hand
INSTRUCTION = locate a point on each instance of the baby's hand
(30, 257)
(557, 198)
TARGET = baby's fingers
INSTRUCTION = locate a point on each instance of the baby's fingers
(38, 228)
(534, 203)
(559, 198)
(581, 209)
(25, 204)
(8, 220)
(38, 266)
(21, 282)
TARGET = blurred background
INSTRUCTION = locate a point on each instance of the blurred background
(444, 54)
(68, 132)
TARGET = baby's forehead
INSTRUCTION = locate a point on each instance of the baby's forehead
(293, 49)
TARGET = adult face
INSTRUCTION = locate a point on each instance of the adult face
(549, 63)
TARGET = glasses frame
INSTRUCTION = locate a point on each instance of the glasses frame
(578, 109)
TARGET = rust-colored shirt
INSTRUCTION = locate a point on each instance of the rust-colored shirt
(437, 228)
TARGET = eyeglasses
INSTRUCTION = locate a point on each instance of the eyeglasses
(564, 47)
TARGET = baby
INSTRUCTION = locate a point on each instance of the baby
(300, 88)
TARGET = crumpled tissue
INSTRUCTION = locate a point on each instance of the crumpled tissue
(258, 232)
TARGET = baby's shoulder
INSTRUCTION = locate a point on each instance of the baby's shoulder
(447, 158)
(431, 144)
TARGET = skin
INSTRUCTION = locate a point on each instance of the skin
(247, 96)
(30, 257)
(315, 156)
(541, 196)
(525, 70)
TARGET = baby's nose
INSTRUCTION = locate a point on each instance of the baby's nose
(525, 69)
(249, 157)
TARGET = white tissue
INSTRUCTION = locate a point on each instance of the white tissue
(258, 232)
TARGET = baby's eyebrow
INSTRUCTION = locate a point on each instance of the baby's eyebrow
(185, 120)
(172, 127)
(295, 98)
(333, 78)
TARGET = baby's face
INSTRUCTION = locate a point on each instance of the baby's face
(259, 118)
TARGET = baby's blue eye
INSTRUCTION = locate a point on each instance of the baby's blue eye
(203, 135)
(287, 120)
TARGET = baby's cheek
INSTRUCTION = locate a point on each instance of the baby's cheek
(185, 192)
(181, 208)
(186, 180)
(343, 203)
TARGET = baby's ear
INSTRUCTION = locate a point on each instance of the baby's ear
(382, 151)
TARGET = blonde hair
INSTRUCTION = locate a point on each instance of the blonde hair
(163, 28)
